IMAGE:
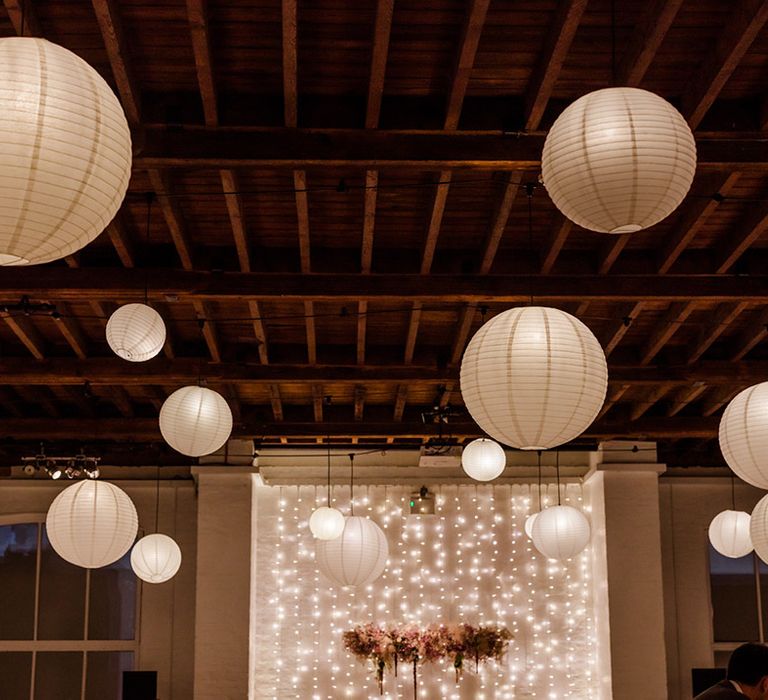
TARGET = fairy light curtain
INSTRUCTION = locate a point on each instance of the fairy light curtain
(471, 562)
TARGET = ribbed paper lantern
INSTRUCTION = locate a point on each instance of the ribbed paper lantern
(91, 523)
(65, 152)
(155, 558)
(729, 533)
(136, 332)
(758, 528)
(195, 420)
(355, 558)
(744, 435)
(326, 523)
(483, 459)
(560, 532)
(534, 377)
(618, 160)
(529, 521)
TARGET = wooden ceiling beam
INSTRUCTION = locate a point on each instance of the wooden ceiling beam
(376, 149)
(463, 330)
(612, 398)
(381, 31)
(685, 396)
(747, 19)
(400, 399)
(627, 314)
(197, 14)
(317, 402)
(560, 229)
(640, 408)
(23, 10)
(173, 217)
(143, 429)
(359, 399)
(93, 284)
(723, 317)
(720, 396)
(551, 59)
(119, 237)
(499, 220)
(27, 333)
(164, 372)
(753, 334)
(646, 40)
(290, 63)
(675, 316)
(71, 331)
(750, 228)
(110, 24)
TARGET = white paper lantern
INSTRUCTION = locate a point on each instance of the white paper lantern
(195, 420)
(357, 557)
(65, 152)
(618, 160)
(529, 521)
(560, 532)
(729, 533)
(136, 332)
(483, 459)
(155, 558)
(743, 435)
(758, 528)
(534, 377)
(91, 523)
(326, 523)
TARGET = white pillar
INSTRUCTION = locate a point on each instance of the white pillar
(223, 582)
(623, 489)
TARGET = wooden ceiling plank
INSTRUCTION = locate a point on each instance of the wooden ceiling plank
(747, 19)
(369, 219)
(611, 252)
(640, 408)
(754, 333)
(474, 22)
(173, 217)
(41, 397)
(626, 313)
(362, 311)
(302, 218)
(360, 392)
(122, 401)
(197, 14)
(208, 329)
(413, 329)
(309, 313)
(560, 230)
(381, 32)
(685, 396)
(499, 220)
(646, 40)
(231, 187)
(551, 59)
(22, 10)
(613, 397)
(71, 331)
(724, 316)
(435, 221)
(119, 237)
(27, 333)
(317, 402)
(254, 309)
(462, 333)
(110, 24)
(277, 404)
(749, 229)
(290, 63)
(718, 398)
(400, 399)
(675, 316)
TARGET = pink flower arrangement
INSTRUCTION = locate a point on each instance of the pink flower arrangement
(385, 647)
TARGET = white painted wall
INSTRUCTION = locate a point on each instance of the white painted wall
(166, 625)
(687, 505)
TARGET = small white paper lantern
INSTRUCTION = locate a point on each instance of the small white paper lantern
(483, 459)
(618, 160)
(155, 558)
(758, 528)
(560, 532)
(743, 435)
(326, 523)
(195, 420)
(136, 332)
(356, 557)
(91, 523)
(529, 521)
(534, 377)
(729, 533)
(65, 152)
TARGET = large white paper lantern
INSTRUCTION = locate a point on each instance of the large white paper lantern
(534, 377)
(758, 528)
(65, 152)
(195, 420)
(136, 332)
(743, 435)
(483, 459)
(618, 160)
(155, 558)
(560, 532)
(356, 557)
(326, 523)
(729, 533)
(91, 523)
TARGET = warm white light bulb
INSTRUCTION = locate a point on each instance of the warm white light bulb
(326, 523)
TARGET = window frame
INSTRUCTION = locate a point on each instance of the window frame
(84, 645)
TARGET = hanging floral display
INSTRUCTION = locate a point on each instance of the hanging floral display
(385, 648)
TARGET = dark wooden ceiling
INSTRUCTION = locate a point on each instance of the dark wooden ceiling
(339, 197)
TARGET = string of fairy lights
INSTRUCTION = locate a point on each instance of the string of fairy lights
(471, 562)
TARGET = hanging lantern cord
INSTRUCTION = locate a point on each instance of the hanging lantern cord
(529, 187)
(613, 43)
(150, 199)
(538, 452)
(329, 471)
(733, 490)
(557, 467)
(157, 501)
(351, 483)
